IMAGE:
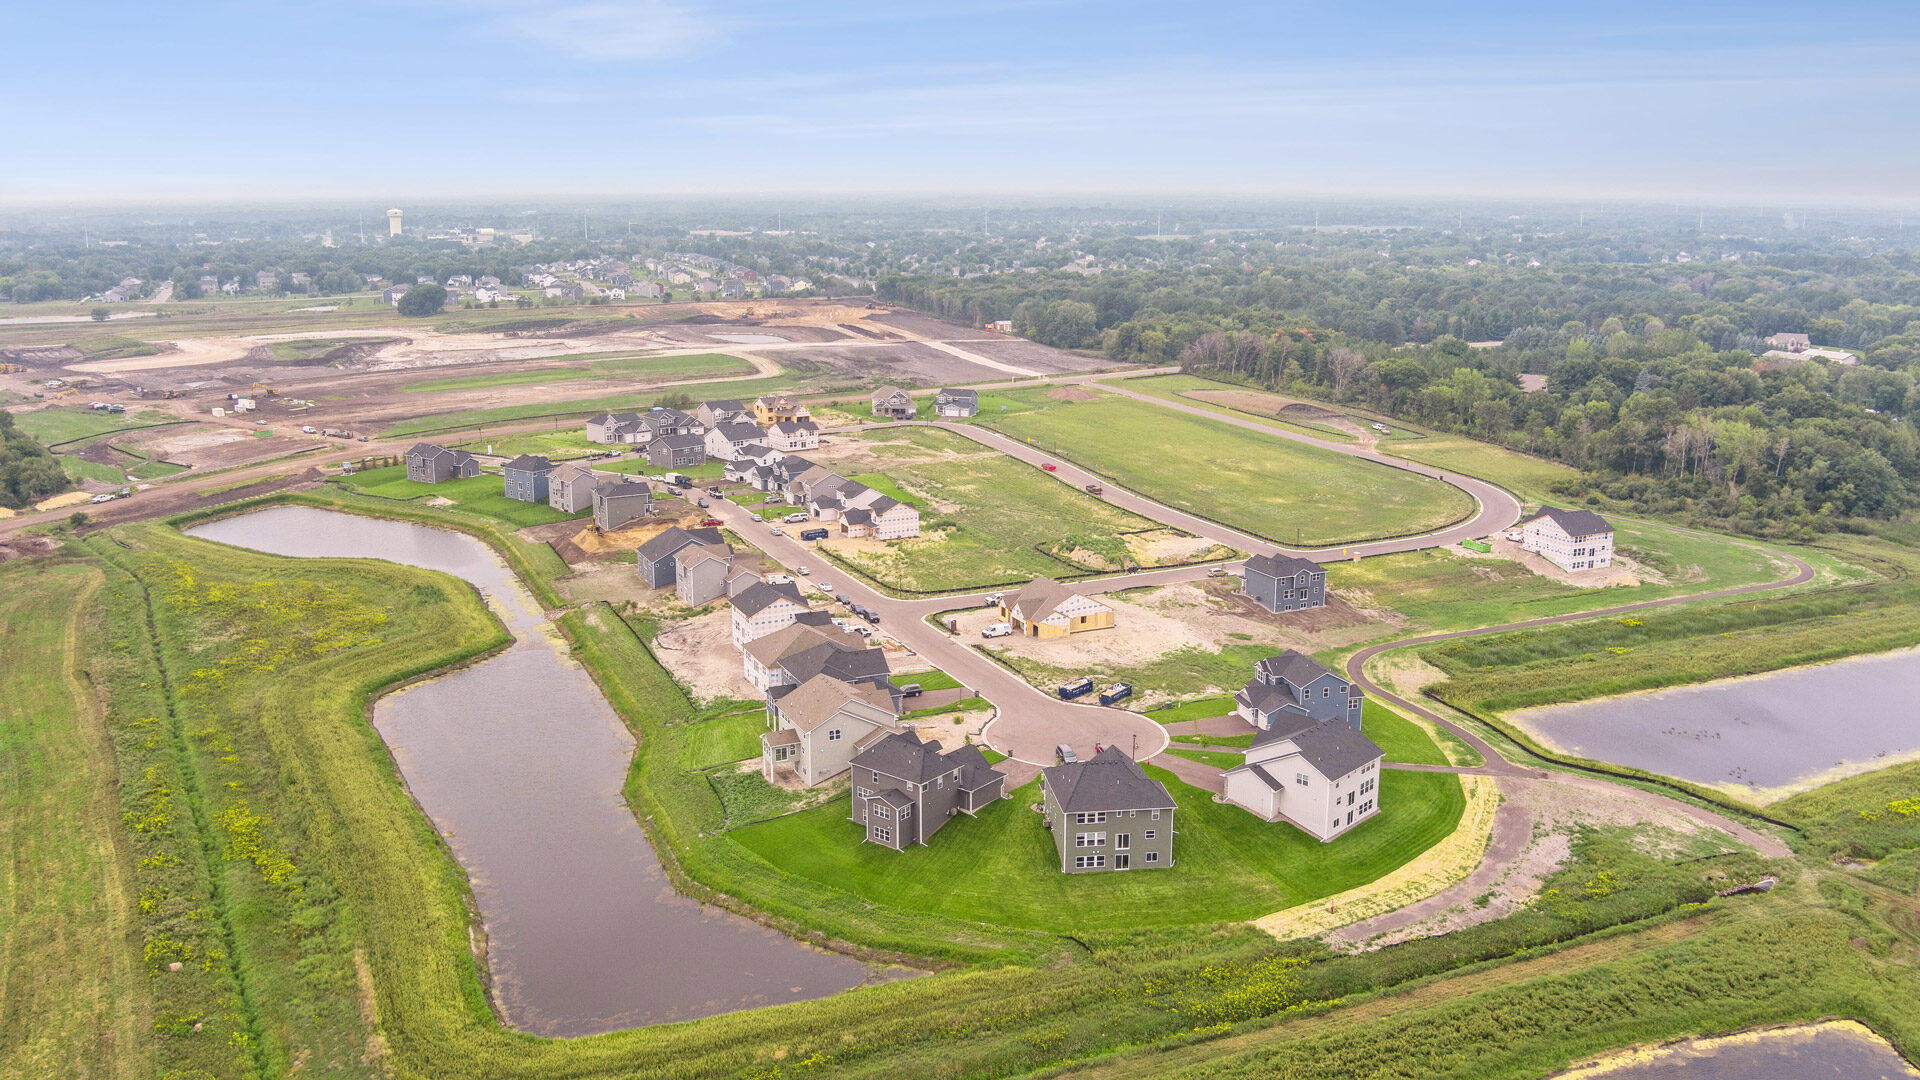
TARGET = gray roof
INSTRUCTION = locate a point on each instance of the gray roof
(736, 432)
(1279, 566)
(857, 517)
(673, 539)
(528, 463)
(1266, 697)
(758, 597)
(725, 405)
(959, 395)
(794, 427)
(1110, 781)
(903, 756)
(628, 490)
(845, 664)
(679, 442)
(1335, 748)
(1296, 667)
(1575, 522)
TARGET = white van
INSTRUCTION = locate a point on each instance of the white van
(999, 629)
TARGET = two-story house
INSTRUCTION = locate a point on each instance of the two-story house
(727, 439)
(700, 572)
(1107, 814)
(1045, 608)
(677, 451)
(1284, 583)
(1572, 540)
(655, 557)
(723, 410)
(431, 464)
(615, 505)
(760, 609)
(526, 478)
(883, 518)
(774, 408)
(905, 789)
(956, 404)
(570, 488)
(790, 656)
(815, 727)
(792, 435)
(623, 428)
(893, 403)
(1322, 776)
(1292, 686)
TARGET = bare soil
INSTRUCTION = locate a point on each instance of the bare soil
(1073, 393)
(1623, 571)
(699, 652)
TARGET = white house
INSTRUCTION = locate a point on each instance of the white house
(727, 439)
(760, 609)
(1322, 776)
(792, 435)
(1569, 539)
(819, 725)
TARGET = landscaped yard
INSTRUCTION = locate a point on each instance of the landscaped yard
(1002, 867)
(483, 495)
(727, 739)
(1273, 487)
(988, 520)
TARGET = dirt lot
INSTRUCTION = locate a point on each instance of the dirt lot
(700, 654)
(1624, 571)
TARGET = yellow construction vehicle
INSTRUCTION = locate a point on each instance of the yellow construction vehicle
(270, 391)
(12, 369)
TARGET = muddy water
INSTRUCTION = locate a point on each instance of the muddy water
(1840, 1051)
(1762, 736)
(519, 762)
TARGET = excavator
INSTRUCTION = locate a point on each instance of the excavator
(260, 387)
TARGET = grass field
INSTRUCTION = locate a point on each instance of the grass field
(726, 739)
(67, 423)
(1181, 674)
(1002, 866)
(639, 368)
(481, 495)
(1528, 477)
(585, 407)
(1271, 487)
(986, 519)
(1181, 388)
(568, 442)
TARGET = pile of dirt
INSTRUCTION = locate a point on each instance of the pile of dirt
(1302, 411)
(21, 547)
(41, 356)
(1072, 393)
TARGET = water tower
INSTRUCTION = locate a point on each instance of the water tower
(393, 223)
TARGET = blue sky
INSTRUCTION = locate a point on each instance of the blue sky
(1743, 102)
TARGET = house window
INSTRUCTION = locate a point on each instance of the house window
(1153, 856)
(1150, 834)
(882, 834)
(1366, 808)
(1288, 595)
(1349, 817)
(862, 792)
(1349, 798)
(1089, 862)
(1326, 691)
(834, 735)
(1301, 779)
(1156, 815)
(1090, 839)
(1123, 840)
(882, 812)
(1090, 819)
(1366, 786)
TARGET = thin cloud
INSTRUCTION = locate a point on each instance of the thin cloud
(607, 32)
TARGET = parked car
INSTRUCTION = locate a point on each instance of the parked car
(1077, 688)
(309, 429)
(364, 438)
(824, 586)
(802, 571)
(1050, 467)
(794, 519)
(863, 631)
(911, 689)
(1066, 754)
(778, 579)
(104, 498)
(998, 629)
(813, 534)
(701, 502)
(993, 599)
(1117, 692)
(1517, 536)
(777, 531)
(871, 616)
(1216, 571)
(1095, 489)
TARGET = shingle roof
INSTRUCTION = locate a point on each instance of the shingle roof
(1039, 598)
(834, 659)
(1110, 781)
(572, 474)
(1279, 566)
(887, 393)
(823, 696)
(786, 641)
(528, 463)
(959, 395)
(795, 427)
(1575, 522)
(736, 432)
(758, 597)
(903, 756)
(680, 442)
(1335, 748)
(627, 490)
(1294, 666)
(857, 517)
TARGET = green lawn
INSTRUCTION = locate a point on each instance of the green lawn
(1002, 867)
(585, 407)
(1528, 477)
(482, 495)
(1181, 388)
(885, 486)
(1399, 738)
(1272, 487)
(1238, 742)
(986, 519)
(1219, 759)
(1198, 709)
(1180, 674)
(566, 443)
(728, 739)
(63, 424)
(648, 368)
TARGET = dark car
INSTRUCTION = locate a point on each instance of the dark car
(813, 534)
(911, 689)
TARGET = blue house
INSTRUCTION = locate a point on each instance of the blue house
(1284, 583)
(1292, 688)
(527, 477)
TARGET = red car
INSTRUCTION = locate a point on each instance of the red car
(709, 523)
(1050, 468)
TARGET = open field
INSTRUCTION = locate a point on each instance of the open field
(70, 423)
(1531, 478)
(583, 407)
(987, 520)
(1225, 398)
(481, 495)
(1271, 487)
(640, 368)
(1002, 867)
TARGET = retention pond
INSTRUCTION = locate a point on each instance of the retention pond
(1763, 737)
(1840, 1050)
(519, 762)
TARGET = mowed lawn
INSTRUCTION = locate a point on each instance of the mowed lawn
(1266, 485)
(1003, 868)
(1531, 478)
(67, 423)
(986, 519)
(484, 495)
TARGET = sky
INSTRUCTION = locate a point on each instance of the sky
(270, 100)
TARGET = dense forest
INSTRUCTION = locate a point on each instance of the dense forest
(28, 472)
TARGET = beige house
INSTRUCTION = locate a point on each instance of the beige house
(1320, 775)
(1046, 608)
(818, 726)
(570, 488)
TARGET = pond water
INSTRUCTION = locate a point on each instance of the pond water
(1762, 737)
(749, 339)
(519, 762)
(1838, 1051)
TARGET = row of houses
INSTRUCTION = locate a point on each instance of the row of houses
(616, 500)
(893, 403)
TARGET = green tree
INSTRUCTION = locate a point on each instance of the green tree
(100, 314)
(422, 301)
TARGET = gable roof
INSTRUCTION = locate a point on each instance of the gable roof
(947, 394)
(1279, 566)
(570, 474)
(823, 696)
(1295, 667)
(1040, 597)
(902, 756)
(528, 463)
(734, 431)
(680, 442)
(857, 517)
(786, 641)
(1335, 748)
(831, 658)
(760, 596)
(627, 490)
(888, 393)
(1110, 781)
(723, 405)
(1575, 522)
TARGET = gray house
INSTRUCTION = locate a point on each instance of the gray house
(430, 464)
(616, 428)
(905, 789)
(676, 451)
(656, 555)
(893, 403)
(1292, 686)
(1284, 583)
(615, 505)
(570, 488)
(720, 411)
(527, 478)
(700, 572)
(1106, 814)
(956, 403)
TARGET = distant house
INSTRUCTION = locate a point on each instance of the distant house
(817, 726)
(791, 435)
(905, 789)
(655, 557)
(1045, 608)
(753, 456)
(1793, 343)
(616, 428)
(430, 464)
(677, 451)
(760, 609)
(774, 408)
(893, 403)
(646, 290)
(570, 488)
(566, 290)
(1572, 540)
(1284, 583)
(956, 403)
(885, 518)
(526, 478)
(793, 654)
(1838, 356)
(700, 571)
(1291, 687)
(712, 413)
(615, 505)
(1323, 777)
(1107, 814)
(661, 422)
(726, 439)
(392, 294)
